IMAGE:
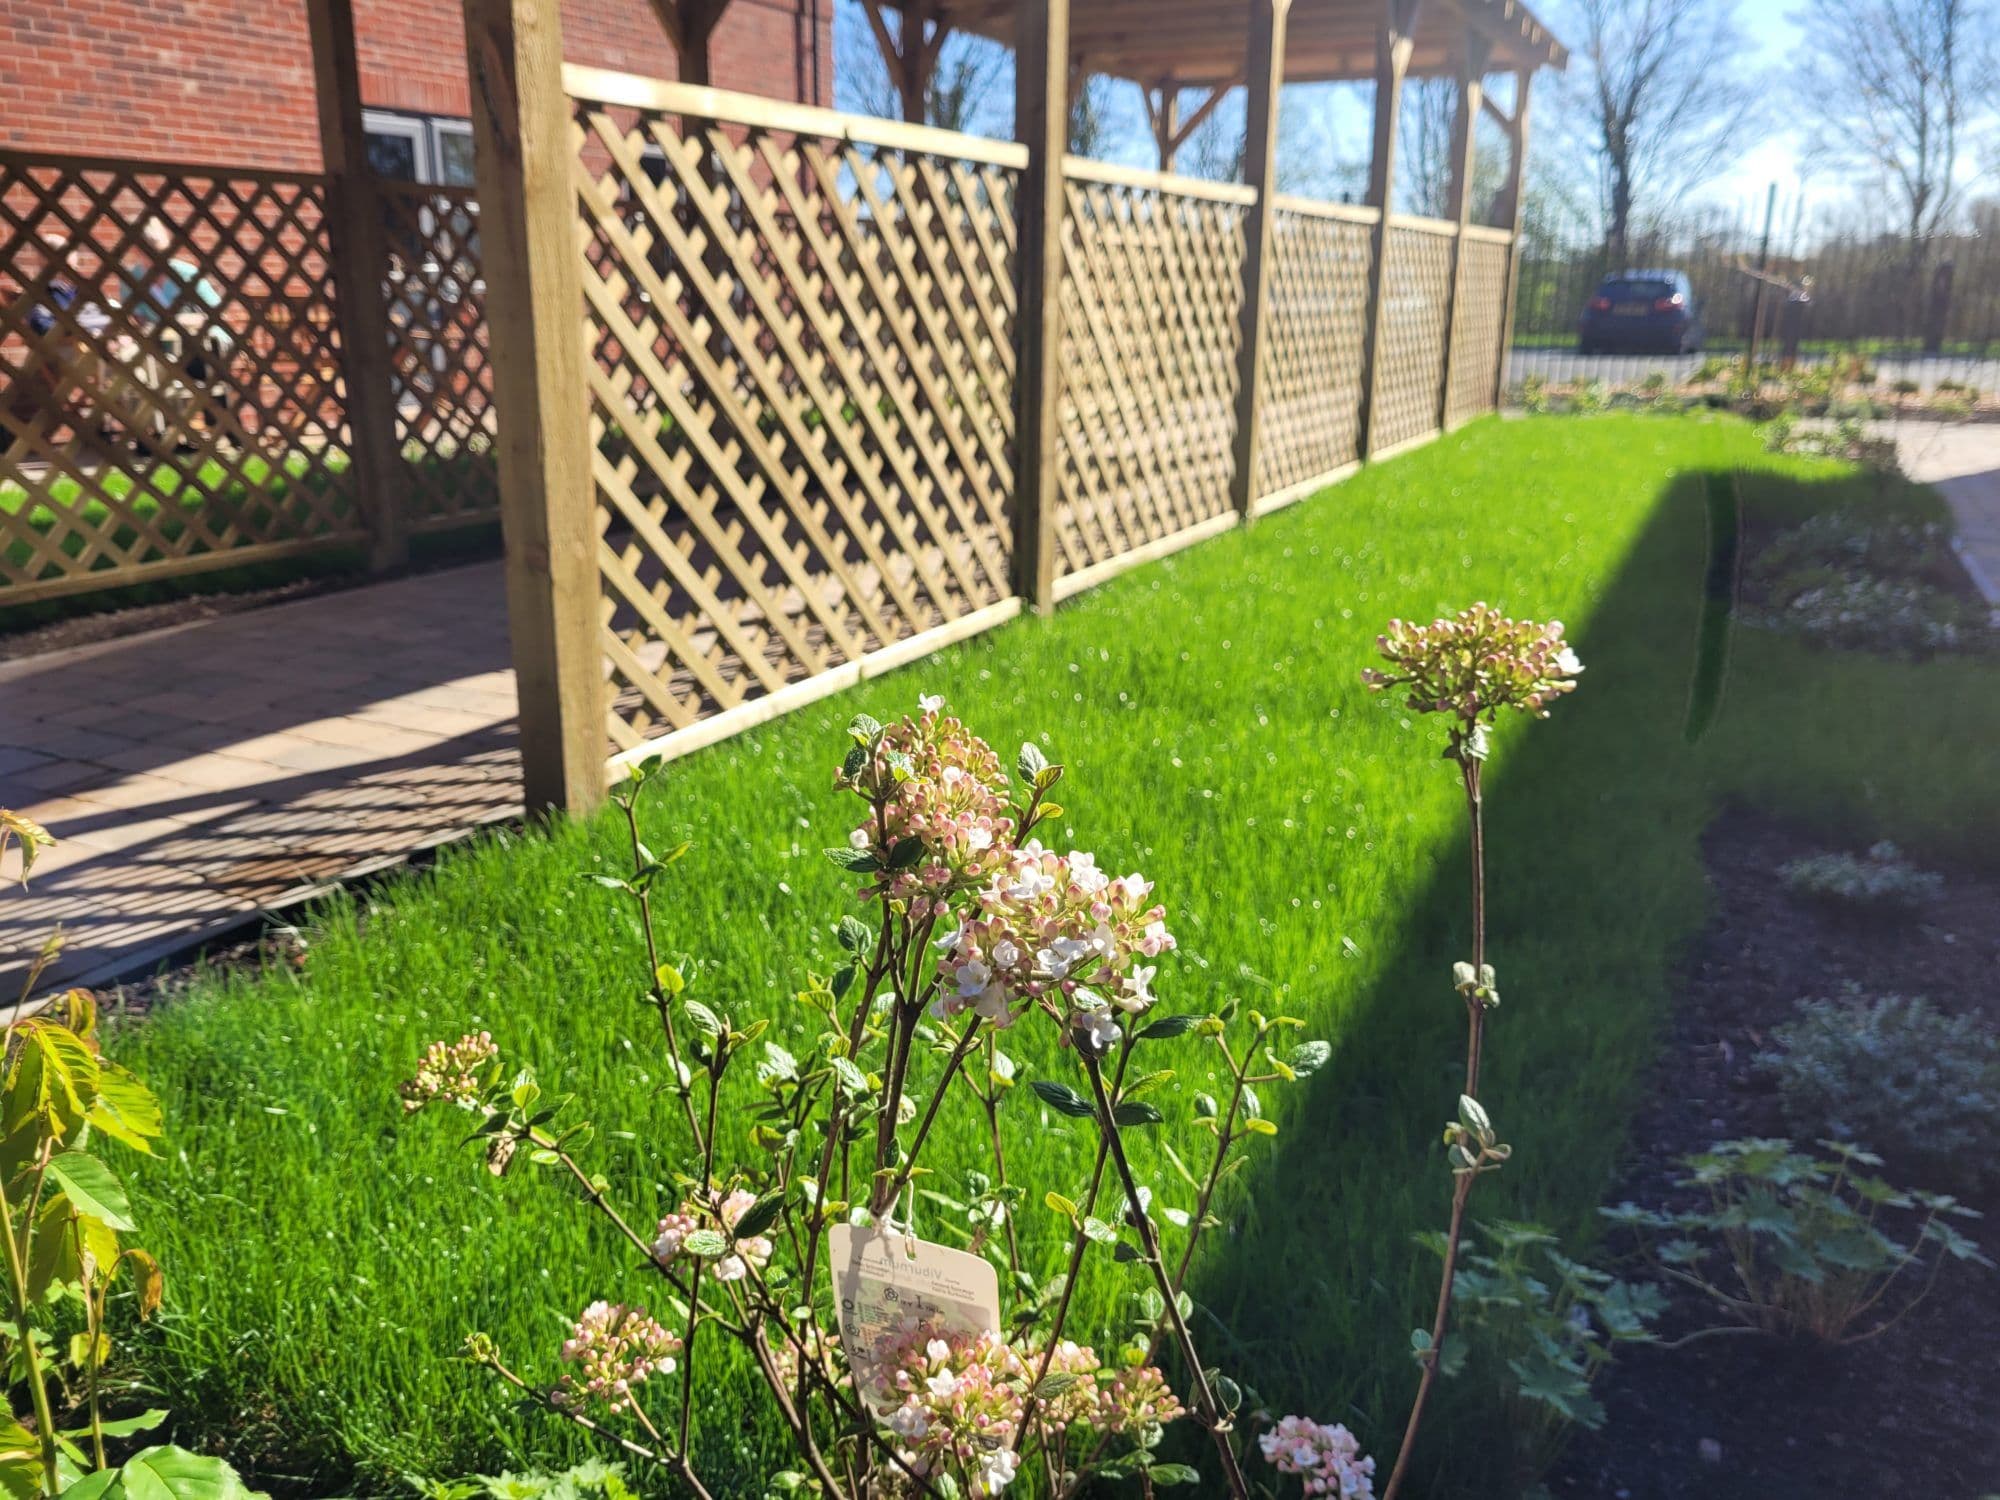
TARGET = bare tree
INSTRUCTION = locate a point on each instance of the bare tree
(1659, 95)
(964, 91)
(1423, 154)
(1898, 89)
(1091, 128)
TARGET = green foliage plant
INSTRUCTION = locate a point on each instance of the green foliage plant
(1920, 1085)
(977, 927)
(1551, 1325)
(64, 1214)
(1801, 1246)
(1880, 882)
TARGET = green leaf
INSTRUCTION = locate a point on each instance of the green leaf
(706, 1021)
(1309, 1057)
(93, 1189)
(1259, 1127)
(125, 1109)
(759, 1216)
(864, 727)
(1170, 1026)
(1059, 1204)
(1135, 1113)
(1054, 1385)
(706, 1243)
(164, 1473)
(908, 851)
(1170, 1474)
(1031, 762)
(1063, 1099)
(854, 935)
(858, 861)
(1099, 1232)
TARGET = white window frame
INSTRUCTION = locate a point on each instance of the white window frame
(442, 126)
(412, 128)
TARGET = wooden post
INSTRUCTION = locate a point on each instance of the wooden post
(1266, 75)
(690, 25)
(1510, 215)
(1163, 106)
(1763, 281)
(1041, 122)
(534, 308)
(1464, 150)
(910, 56)
(1393, 44)
(360, 256)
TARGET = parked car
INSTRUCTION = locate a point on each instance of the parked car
(1651, 312)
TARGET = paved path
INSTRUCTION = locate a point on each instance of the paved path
(1963, 461)
(198, 775)
(1629, 369)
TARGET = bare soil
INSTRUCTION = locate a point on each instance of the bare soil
(1912, 1412)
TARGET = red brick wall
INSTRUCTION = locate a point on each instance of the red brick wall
(230, 81)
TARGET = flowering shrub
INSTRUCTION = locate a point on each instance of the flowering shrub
(1854, 581)
(1326, 1458)
(1922, 1086)
(1470, 668)
(978, 927)
(1882, 881)
(65, 1214)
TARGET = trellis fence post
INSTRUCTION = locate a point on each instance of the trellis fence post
(1041, 122)
(529, 230)
(1512, 200)
(360, 261)
(1393, 45)
(1266, 76)
(1464, 149)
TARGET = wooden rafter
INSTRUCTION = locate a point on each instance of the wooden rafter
(911, 51)
(690, 25)
(1171, 129)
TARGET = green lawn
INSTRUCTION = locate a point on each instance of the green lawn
(324, 1259)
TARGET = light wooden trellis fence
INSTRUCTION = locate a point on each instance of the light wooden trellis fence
(800, 331)
(173, 381)
(801, 343)
(1152, 293)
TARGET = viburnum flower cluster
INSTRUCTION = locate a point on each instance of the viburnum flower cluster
(449, 1072)
(1049, 923)
(670, 1238)
(1325, 1457)
(614, 1348)
(1475, 663)
(955, 1401)
(1138, 1401)
(942, 786)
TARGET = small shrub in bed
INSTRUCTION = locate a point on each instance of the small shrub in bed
(1843, 580)
(1917, 1084)
(1880, 881)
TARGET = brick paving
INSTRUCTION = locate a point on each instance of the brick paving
(198, 775)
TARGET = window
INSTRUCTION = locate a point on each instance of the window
(419, 148)
(398, 146)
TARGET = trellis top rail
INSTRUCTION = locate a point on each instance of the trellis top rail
(656, 95)
(1083, 169)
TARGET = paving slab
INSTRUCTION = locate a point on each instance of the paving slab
(203, 775)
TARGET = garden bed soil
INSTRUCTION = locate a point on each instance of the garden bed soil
(1914, 1411)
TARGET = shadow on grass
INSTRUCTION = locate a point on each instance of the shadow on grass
(1594, 820)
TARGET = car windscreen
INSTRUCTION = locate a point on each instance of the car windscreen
(1635, 290)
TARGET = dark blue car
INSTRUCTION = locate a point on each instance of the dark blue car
(1650, 312)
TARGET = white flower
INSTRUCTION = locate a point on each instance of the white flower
(1029, 884)
(979, 838)
(1003, 1066)
(908, 1422)
(992, 1004)
(996, 1470)
(930, 703)
(1051, 962)
(858, 839)
(938, 1350)
(1006, 954)
(973, 977)
(948, 939)
(1566, 662)
(1100, 1029)
(1135, 997)
(942, 1385)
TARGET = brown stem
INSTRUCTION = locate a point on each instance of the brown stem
(887, 1200)
(676, 1462)
(660, 1000)
(1461, 1191)
(1469, 767)
(1207, 1411)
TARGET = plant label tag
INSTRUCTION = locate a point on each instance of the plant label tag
(887, 1284)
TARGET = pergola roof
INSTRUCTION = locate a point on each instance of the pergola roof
(1199, 42)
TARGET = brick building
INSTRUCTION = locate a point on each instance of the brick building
(231, 81)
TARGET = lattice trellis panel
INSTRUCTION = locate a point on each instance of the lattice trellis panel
(1475, 326)
(801, 384)
(1152, 289)
(1411, 346)
(1310, 383)
(167, 406)
(435, 298)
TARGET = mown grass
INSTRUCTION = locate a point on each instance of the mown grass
(325, 1258)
